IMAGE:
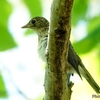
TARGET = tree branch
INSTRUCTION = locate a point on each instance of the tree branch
(56, 70)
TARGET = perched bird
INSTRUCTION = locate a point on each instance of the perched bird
(41, 26)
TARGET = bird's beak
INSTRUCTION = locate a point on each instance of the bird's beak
(26, 26)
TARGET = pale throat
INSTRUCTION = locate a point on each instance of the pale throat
(42, 45)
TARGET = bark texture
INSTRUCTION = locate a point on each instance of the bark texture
(55, 74)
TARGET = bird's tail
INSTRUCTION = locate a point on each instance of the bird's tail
(89, 78)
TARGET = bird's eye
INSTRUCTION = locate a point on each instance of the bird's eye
(33, 21)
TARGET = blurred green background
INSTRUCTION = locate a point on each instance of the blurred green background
(85, 37)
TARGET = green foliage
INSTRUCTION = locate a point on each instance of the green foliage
(79, 10)
(92, 38)
(3, 92)
(89, 42)
(6, 40)
(93, 24)
(5, 11)
(34, 7)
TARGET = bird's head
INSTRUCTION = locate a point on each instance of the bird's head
(38, 24)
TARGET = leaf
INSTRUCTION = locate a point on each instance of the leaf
(34, 7)
(3, 92)
(5, 11)
(95, 22)
(79, 10)
(89, 42)
(6, 40)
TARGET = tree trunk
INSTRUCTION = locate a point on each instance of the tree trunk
(55, 84)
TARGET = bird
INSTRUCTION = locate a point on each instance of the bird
(41, 26)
